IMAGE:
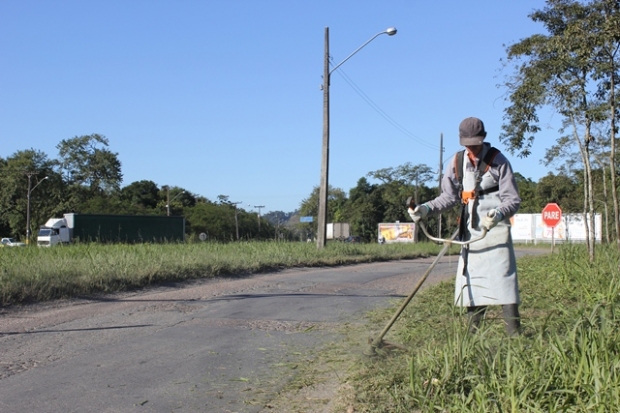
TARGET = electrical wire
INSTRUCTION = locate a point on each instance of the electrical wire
(383, 114)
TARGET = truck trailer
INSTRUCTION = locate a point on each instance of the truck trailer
(103, 228)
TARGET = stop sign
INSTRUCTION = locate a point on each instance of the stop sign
(551, 215)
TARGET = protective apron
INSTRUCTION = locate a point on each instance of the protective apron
(487, 270)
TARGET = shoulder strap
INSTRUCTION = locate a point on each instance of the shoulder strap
(483, 167)
(458, 167)
(486, 162)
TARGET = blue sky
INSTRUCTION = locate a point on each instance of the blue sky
(223, 97)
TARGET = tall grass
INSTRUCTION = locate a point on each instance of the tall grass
(566, 360)
(34, 274)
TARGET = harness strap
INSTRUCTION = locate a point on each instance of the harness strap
(488, 190)
(483, 166)
(466, 196)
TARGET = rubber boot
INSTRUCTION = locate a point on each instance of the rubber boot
(476, 315)
(512, 319)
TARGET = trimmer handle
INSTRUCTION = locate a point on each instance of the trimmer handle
(411, 203)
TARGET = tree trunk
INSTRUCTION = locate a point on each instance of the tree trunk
(604, 200)
(590, 227)
(584, 150)
(612, 155)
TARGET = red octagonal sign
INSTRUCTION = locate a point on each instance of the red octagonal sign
(551, 215)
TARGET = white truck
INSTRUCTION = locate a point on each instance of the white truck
(107, 228)
(54, 232)
(338, 231)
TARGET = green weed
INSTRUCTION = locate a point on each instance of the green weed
(566, 360)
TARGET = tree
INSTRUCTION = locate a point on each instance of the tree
(365, 209)
(88, 167)
(530, 203)
(336, 202)
(46, 198)
(143, 195)
(393, 193)
(279, 220)
(606, 26)
(399, 183)
(564, 70)
(560, 189)
(415, 175)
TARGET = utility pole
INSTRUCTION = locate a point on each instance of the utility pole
(440, 178)
(259, 207)
(167, 200)
(29, 175)
(234, 204)
(324, 185)
(30, 189)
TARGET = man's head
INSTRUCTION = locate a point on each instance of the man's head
(471, 132)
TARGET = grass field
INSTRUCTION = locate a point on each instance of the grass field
(566, 360)
(40, 274)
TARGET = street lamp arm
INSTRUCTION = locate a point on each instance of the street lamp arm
(38, 183)
(170, 200)
(177, 195)
(390, 32)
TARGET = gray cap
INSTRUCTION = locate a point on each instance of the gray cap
(471, 132)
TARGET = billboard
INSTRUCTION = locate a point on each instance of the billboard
(531, 228)
(396, 232)
(522, 226)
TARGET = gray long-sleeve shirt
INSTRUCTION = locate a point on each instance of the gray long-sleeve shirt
(500, 170)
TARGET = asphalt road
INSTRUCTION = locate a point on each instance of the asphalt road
(222, 345)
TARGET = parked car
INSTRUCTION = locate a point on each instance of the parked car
(10, 242)
(354, 238)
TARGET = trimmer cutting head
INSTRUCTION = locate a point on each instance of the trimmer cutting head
(378, 347)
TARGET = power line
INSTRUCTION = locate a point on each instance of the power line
(383, 114)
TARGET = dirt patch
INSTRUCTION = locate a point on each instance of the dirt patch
(321, 385)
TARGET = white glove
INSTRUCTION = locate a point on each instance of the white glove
(418, 213)
(492, 219)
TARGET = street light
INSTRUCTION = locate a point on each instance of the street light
(170, 200)
(30, 175)
(322, 218)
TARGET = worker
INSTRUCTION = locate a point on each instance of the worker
(481, 179)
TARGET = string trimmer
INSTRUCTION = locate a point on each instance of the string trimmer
(378, 342)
